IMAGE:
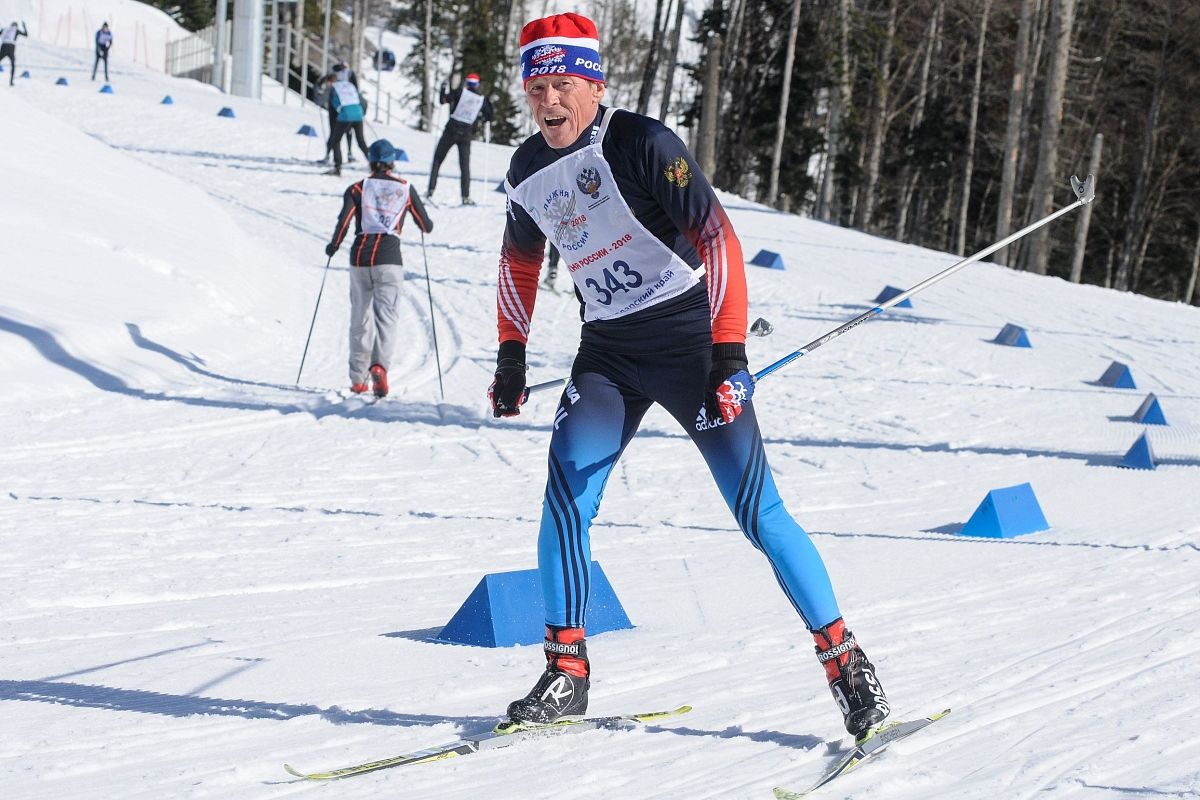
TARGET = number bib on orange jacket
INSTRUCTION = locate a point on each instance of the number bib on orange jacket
(618, 266)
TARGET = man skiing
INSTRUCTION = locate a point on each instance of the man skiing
(660, 275)
(345, 100)
(377, 205)
(467, 104)
(8, 47)
(104, 39)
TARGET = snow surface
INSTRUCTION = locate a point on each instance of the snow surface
(208, 571)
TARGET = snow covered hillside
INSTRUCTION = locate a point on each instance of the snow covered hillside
(208, 571)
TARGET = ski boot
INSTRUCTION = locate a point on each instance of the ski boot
(468, 201)
(359, 388)
(851, 678)
(562, 689)
(379, 380)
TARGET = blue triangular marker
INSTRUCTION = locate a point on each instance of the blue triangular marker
(1117, 375)
(61, 82)
(1013, 336)
(1150, 412)
(106, 89)
(25, 74)
(507, 608)
(888, 293)
(401, 155)
(1005, 513)
(167, 101)
(226, 111)
(768, 259)
(500, 187)
(307, 130)
(1140, 456)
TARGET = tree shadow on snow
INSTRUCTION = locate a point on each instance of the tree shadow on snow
(81, 695)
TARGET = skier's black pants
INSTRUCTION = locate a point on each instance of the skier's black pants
(9, 51)
(341, 129)
(329, 142)
(459, 134)
(101, 55)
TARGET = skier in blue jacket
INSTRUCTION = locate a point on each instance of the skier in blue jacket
(344, 97)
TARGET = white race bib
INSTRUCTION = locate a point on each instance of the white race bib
(468, 107)
(618, 266)
(383, 202)
(346, 93)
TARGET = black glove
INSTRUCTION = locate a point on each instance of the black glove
(330, 249)
(729, 386)
(507, 392)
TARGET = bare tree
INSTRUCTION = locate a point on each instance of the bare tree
(650, 69)
(672, 60)
(972, 128)
(838, 108)
(1189, 294)
(710, 107)
(789, 61)
(1135, 217)
(1045, 175)
(1012, 130)
(1085, 217)
(880, 112)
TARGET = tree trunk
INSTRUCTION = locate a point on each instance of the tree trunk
(838, 106)
(879, 119)
(972, 127)
(1012, 128)
(651, 67)
(1044, 179)
(427, 72)
(1135, 221)
(789, 61)
(709, 110)
(1189, 294)
(1085, 218)
(909, 176)
(672, 60)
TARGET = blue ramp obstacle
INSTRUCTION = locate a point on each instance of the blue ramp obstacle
(1013, 336)
(167, 101)
(1117, 375)
(61, 82)
(888, 293)
(307, 130)
(1005, 513)
(226, 111)
(1140, 456)
(768, 259)
(506, 608)
(1150, 412)
(106, 89)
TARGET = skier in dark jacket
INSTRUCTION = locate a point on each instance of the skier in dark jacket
(104, 39)
(659, 273)
(377, 205)
(467, 104)
(8, 47)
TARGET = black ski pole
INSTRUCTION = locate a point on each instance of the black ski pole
(312, 324)
(432, 321)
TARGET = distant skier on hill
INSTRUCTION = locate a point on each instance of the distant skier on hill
(467, 104)
(377, 206)
(660, 274)
(346, 101)
(8, 47)
(104, 40)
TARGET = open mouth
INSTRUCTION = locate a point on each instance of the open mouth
(554, 122)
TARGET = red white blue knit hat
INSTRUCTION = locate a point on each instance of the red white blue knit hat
(562, 44)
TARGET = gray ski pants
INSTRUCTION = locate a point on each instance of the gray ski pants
(374, 312)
